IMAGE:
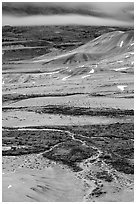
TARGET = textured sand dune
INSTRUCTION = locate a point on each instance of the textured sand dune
(52, 184)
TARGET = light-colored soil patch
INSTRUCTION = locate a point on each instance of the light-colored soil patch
(33, 178)
(51, 184)
(78, 101)
(25, 119)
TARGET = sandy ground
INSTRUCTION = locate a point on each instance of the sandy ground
(78, 101)
(32, 178)
(26, 119)
(23, 182)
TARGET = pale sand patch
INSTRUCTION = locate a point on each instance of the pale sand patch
(51, 183)
(25, 119)
(77, 101)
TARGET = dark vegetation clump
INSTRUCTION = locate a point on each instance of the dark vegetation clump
(27, 142)
(97, 192)
(122, 165)
(75, 111)
(115, 141)
(70, 154)
(65, 110)
(104, 175)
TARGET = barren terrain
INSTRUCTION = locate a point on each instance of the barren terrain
(68, 114)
